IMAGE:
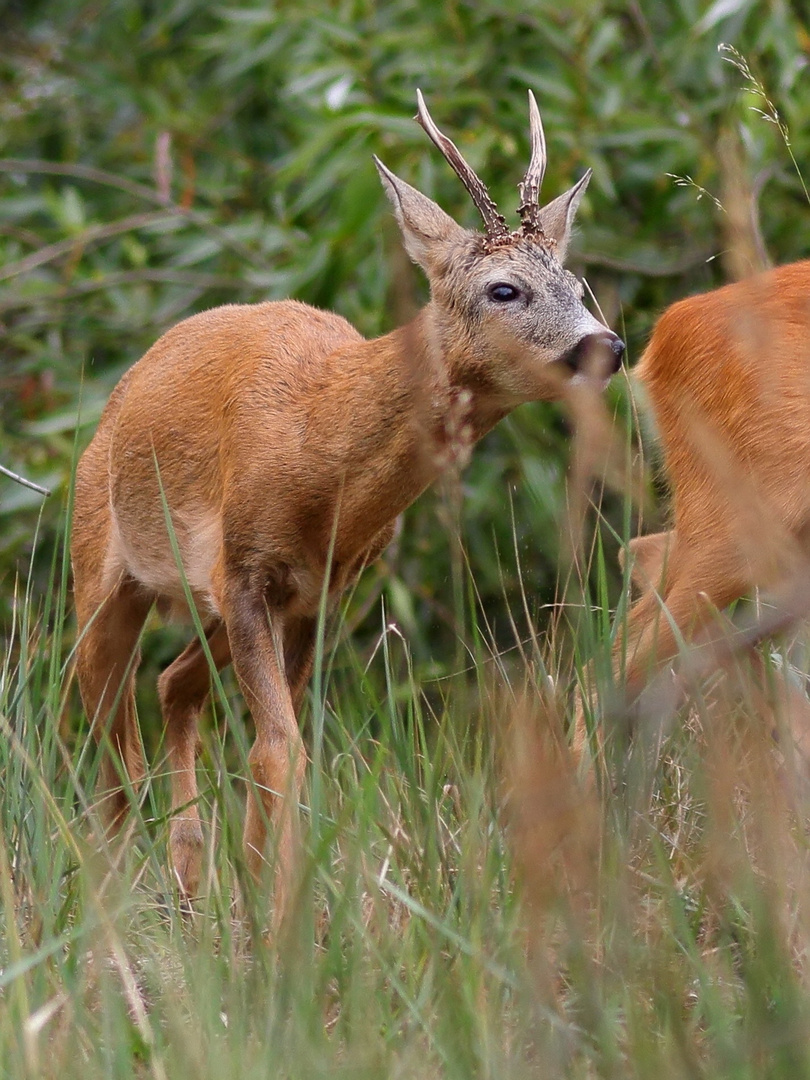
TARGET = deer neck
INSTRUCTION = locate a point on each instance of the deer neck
(413, 414)
(454, 404)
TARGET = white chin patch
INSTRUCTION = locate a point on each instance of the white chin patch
(580, 379)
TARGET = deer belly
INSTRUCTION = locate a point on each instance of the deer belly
(171, 569)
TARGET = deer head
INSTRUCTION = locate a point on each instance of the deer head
(507, 316)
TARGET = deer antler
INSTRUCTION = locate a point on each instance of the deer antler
(529, 187)
(495, 223)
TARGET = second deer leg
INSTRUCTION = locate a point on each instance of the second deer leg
(694, 589)
(691, 589)
(649, 556)
(183, 689)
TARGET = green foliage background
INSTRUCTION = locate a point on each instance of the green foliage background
(162, 158)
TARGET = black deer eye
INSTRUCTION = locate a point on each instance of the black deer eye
(502, 293)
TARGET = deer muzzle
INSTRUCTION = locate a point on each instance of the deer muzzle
(596, 356)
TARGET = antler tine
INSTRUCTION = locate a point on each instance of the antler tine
(494, 222)
(529, 187)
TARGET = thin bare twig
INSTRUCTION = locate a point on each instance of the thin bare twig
(25, 483)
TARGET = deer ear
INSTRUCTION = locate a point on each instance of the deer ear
(424, 225)
(557, 218)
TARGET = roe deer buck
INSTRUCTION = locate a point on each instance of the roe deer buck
(284, 446)
(727, 374)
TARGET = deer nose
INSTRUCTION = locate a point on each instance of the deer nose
(598, 355)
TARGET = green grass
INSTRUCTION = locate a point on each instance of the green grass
(468, 908)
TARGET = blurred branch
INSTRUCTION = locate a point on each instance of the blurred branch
(658, 268)
(16, 232)
(90, 236)
(83, 172)
(139, 191)
(125, 277)
(746, 252)
(25, 483)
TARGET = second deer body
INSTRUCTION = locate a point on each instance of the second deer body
(281, 446)
(727, 374)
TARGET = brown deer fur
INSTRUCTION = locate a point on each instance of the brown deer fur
(727, 375)
(283, 446)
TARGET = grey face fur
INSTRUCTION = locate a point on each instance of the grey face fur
(503, 301)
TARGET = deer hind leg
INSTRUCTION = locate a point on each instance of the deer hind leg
(183, 688)
(299, 650)
(649, 561)
(692, 585)
(107, 657)
(256, 629)
(697, 583)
